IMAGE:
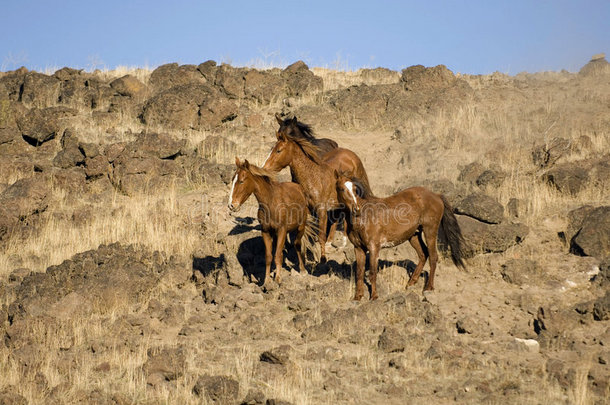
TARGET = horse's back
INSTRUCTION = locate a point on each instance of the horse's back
(326, 145)
(292, 192)
(347, 162)
(418, 197)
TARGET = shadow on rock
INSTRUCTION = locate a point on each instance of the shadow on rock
(207, 265)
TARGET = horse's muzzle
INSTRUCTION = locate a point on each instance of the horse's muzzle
(234, 208)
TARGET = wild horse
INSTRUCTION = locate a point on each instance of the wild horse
(413, 214)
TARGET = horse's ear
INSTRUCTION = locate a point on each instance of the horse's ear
(281, 136)
(246, 164)
(279, 119)
(294, 120)
(237, 162)
(336, 173)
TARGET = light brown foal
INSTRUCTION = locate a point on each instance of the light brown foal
(282, 208)
(413, 214)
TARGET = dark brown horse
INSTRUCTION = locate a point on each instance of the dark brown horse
(282, 208)
(314, 173)
(413, 214)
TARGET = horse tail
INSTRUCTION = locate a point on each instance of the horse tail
(451, 235)
(310, 237)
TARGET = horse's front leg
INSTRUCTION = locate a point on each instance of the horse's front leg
(360, 263)
(279, 253)
(268, 241)
(373, 257)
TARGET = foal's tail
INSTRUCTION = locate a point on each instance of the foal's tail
(451, 235)
(310, 237)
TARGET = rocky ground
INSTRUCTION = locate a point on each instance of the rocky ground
(124, 278)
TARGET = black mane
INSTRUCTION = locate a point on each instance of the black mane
(305, 129)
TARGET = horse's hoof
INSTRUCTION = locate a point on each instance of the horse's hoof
(374, 297)
(357, 298)
(323, 260)
(428, 288)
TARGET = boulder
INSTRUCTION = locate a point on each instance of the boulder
(39, 126)
(20, 201)
(129, 86)
(300, 80)
(10, 113)
(597, 66)
(471, 172)
(40, 90)
(170, 75)
(391, 340)
(190, 106)
(69, 157)
(208, 70)
(568, 177)
(165, 364)
(230, 81)
(591, 231)
(482, 207)
(481, 237)
(87, 284)
(264, 86)
(419, 77)
(217, 389)
(491, 177)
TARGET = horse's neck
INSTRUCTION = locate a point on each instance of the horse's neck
(262, 191)
(306, 172)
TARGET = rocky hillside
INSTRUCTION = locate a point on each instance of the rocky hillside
(124, 278)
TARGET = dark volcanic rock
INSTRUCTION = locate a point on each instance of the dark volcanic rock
(129, 86)
(568, 178)
(170, 75)
(167, 363)
(40, 90)
(217, 389)
(589, 231)
(547, 154)
(301, 80)
(419, 77)
(39, 126)
(482, 207)
(20, 201)
(485, 238)
(87, 284)
(391, 340)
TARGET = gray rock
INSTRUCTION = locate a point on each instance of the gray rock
(217, 389)
(391, 340)
(482, 207)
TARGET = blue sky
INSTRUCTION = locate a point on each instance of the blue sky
(467, 36)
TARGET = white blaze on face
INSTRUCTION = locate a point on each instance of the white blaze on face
(268, 156)
(350, 187)
(232, 189)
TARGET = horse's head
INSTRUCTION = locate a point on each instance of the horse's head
(281, 154)
(289, 127)
(243, 185)
(349, 193)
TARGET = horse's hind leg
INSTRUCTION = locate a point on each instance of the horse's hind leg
(431, 234)
(422, 255)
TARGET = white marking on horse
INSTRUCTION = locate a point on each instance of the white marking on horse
(232, 189)
(350, 186)
(268, 156)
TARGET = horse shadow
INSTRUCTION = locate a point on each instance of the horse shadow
(251, 257)
(208, 264)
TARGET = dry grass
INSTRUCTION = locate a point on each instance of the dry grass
(490, 134)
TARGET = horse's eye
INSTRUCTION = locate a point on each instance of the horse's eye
(278, 151)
